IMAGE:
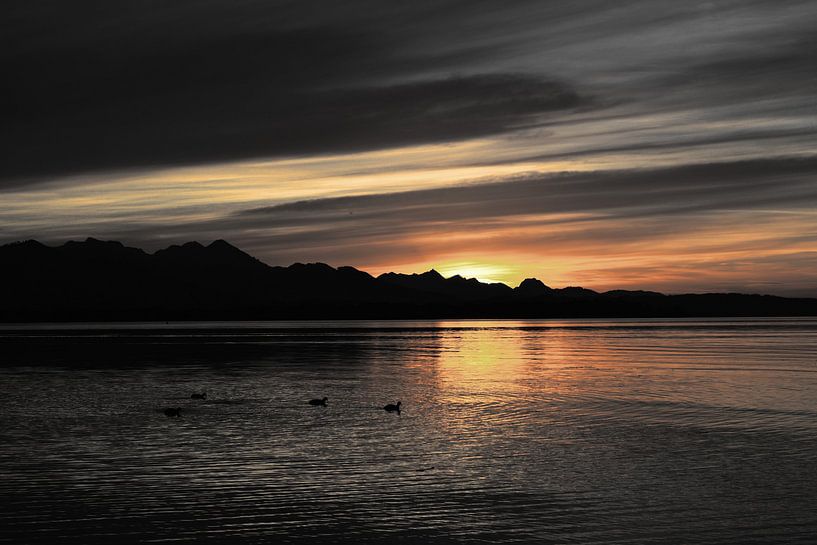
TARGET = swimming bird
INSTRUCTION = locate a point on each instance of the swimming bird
(202, 395)
(393, 408)
(319, 402)
(170, 411)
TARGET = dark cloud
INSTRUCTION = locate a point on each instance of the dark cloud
(674, 142)
(138, 84)
(784, 64)
(176, 87)
(772, 76)
(655, 191)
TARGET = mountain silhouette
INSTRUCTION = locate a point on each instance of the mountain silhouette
(531, 287)
(457, 287)
(105, 280)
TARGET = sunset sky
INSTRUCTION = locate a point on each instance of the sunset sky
(653, 144)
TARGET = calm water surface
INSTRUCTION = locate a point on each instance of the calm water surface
(512, 432)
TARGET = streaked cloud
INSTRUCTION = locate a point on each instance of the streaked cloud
(596, 227)
(655, 144)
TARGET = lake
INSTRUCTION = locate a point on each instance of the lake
(593, 431)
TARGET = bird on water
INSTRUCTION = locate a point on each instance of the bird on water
(202, 395)
(170, 411)
(319, 402)
(392, 408)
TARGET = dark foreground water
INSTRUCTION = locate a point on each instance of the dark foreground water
(531, 432)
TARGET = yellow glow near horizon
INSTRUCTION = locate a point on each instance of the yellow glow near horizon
(484, 272)
(742, 249)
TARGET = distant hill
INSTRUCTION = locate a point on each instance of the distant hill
(103, 280)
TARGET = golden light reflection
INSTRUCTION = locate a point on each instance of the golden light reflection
(473, 360)
(532, 358)
(486, 371)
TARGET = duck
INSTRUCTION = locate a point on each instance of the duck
(202, 395)
(391, 408)
(319, 402)
(170, 411)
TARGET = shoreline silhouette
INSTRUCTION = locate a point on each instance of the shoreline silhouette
(97, 280)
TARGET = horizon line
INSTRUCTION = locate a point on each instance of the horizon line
(338, 267)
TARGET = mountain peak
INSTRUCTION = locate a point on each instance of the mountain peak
(30, 243)
(346, 269)
(221, 243)
(219, 254)
(176, 248)
(432, 274)
(225, 248)
(576, 291)
(91, 241)
(532, 286)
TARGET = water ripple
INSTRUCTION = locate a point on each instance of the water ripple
(626, 432)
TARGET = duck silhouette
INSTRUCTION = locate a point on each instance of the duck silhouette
(170, 411)
(391, 408)
(319, 402)
(202, 395)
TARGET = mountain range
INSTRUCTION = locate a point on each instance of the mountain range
(105, 280)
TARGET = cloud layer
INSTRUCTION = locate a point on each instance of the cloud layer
(662, 228)
(171, 89)
(92, 89)
(403, 136)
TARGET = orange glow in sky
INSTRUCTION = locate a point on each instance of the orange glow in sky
(658, 146)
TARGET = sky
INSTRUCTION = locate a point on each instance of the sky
(635, 144)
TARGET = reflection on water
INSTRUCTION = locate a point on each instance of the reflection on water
(530, 432)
